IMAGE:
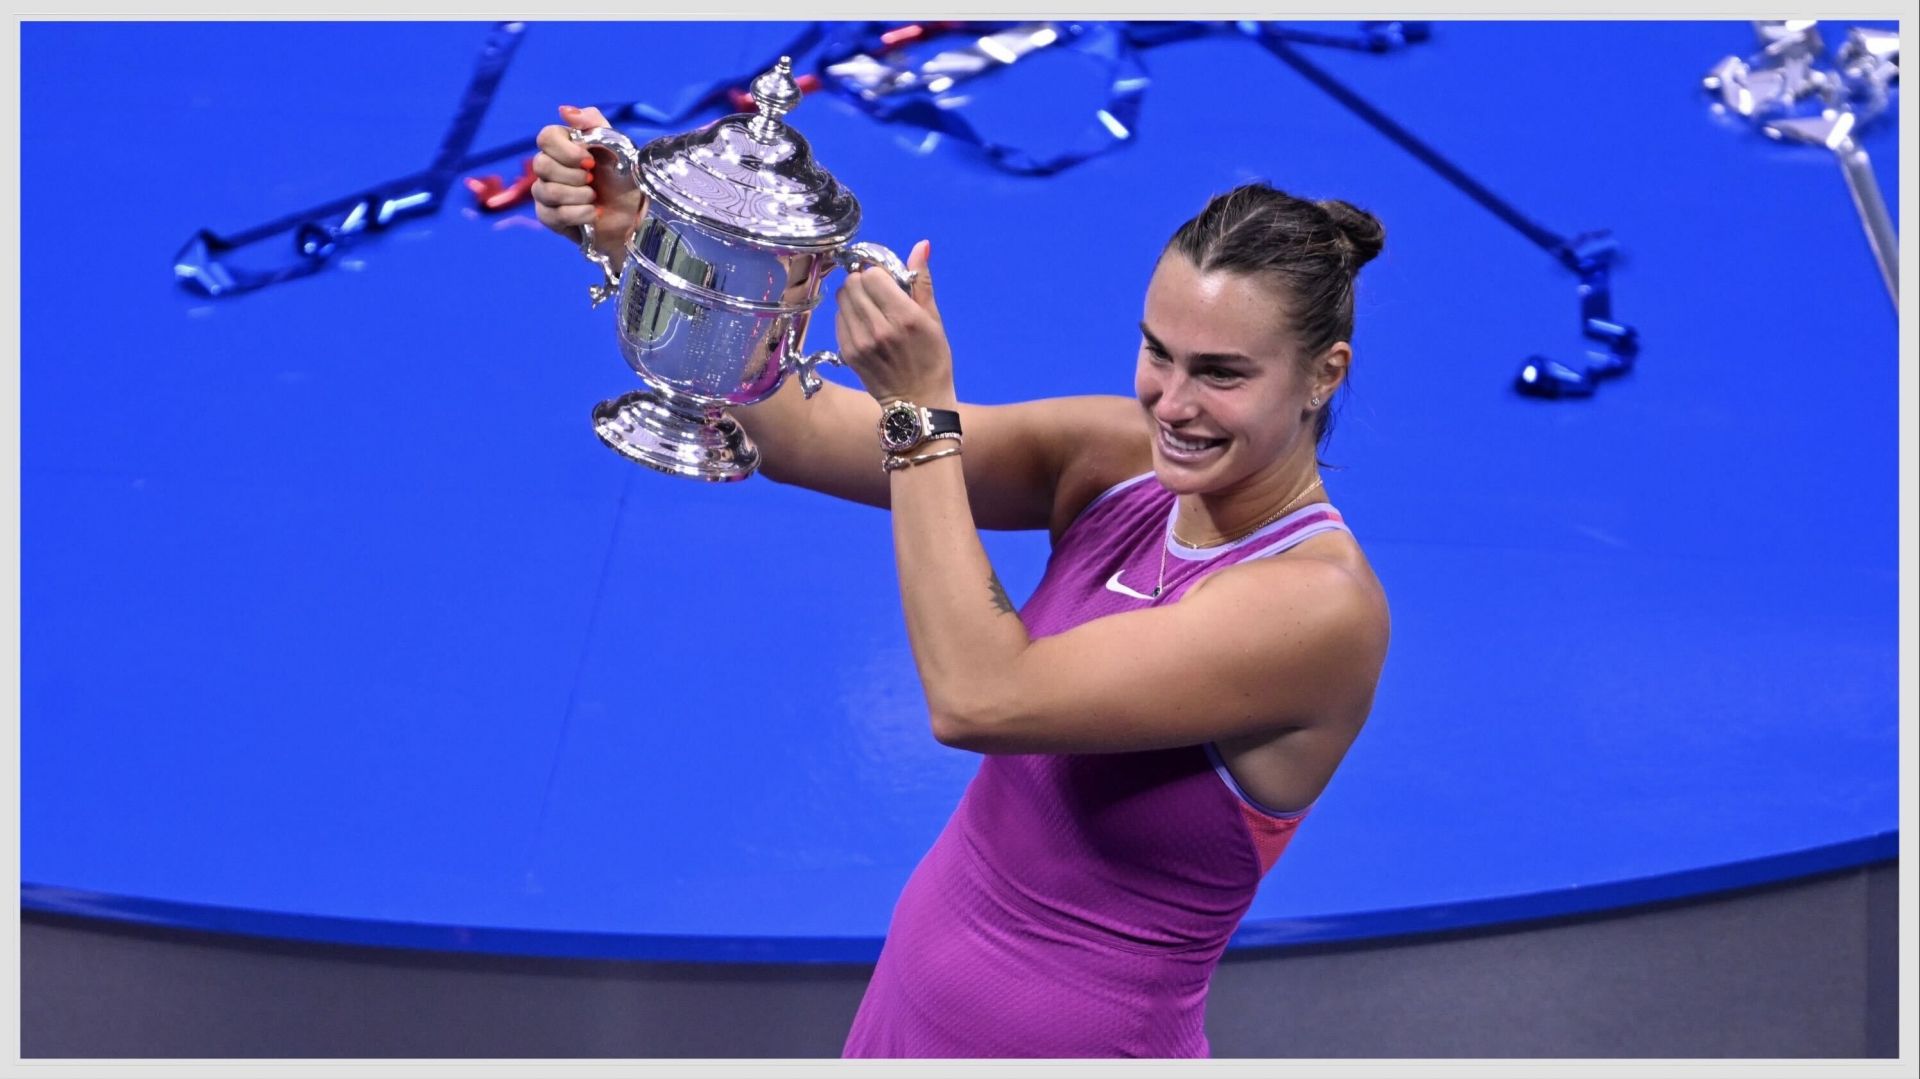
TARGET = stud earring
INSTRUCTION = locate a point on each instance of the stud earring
(1314, 401)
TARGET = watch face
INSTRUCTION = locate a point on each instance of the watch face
(900, 427)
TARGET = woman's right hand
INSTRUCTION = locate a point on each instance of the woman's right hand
(572, 187)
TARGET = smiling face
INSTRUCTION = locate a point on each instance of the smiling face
(1222, 384)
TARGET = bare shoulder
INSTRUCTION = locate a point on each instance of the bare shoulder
(1332, 560)
(1323, 585)
(1324, 596)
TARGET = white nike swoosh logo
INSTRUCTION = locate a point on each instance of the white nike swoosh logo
(1114, 585)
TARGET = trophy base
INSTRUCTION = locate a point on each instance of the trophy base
(675, 438)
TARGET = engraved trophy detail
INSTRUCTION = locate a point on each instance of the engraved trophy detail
(737, 229)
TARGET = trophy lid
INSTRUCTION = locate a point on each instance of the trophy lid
(752, 176)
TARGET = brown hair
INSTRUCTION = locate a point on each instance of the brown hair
(1313, 248)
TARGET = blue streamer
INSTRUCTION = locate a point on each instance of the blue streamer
(1589, 255)
(323, 231)
(320, 233)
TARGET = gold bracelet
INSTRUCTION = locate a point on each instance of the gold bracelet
(893, 463)
(954, 435)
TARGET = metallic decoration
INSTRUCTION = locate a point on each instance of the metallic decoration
(875, 71)
(1786, 93)
(877, 76)
(737, 229)
(1835, 132)
(868, 70)
(318, 234)
(1589, 255)
(1370, 36)
(873, 78)
(322, 231)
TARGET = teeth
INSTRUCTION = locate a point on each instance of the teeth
(1183, 444)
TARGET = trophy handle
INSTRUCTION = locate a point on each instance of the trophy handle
(852, 258)
(629, 158)
(857, 257)
(803, 365)
(810, 380)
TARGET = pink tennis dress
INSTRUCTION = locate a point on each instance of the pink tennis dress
(1076, 905)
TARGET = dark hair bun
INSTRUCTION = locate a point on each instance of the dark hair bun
(1363, 231)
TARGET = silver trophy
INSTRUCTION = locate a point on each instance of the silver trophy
(738, 227)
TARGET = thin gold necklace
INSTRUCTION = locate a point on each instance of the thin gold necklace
(1276, 515)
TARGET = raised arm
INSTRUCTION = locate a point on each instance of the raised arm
(1031, 465)
(1258, 650)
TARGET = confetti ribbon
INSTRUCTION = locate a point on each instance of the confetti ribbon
(321, 232)
(1786, 92)
(1589, 255)
(927, 94)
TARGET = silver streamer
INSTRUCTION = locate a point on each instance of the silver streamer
(1793, 91)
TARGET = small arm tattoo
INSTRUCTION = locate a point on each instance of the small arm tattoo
(1000, 599)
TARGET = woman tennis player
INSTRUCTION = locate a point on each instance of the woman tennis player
(1157, 720)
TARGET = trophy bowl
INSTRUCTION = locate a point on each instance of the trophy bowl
(738, 227)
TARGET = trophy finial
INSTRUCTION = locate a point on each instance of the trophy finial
(775, 94)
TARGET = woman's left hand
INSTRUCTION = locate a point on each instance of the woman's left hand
(893, 341)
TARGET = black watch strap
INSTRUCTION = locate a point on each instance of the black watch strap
(945, 421)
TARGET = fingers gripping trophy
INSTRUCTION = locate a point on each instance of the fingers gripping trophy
(738, 226)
